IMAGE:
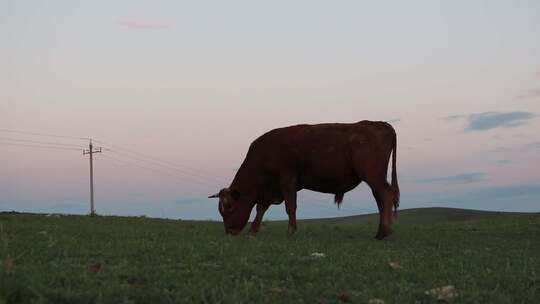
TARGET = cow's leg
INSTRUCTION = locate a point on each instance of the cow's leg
(290, 207)
(384, 197)
(371, 168)
(261, 209)
(379, 199)
(288, 188)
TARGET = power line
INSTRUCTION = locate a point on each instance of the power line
(42, 134)
(163, 163)
(200, 187)
(192, 177)
(153, 163)
(40, 142)
(116, 160)
(183, 169)
(39, 146)
(189, 176)
(151, 157)
(182, 178)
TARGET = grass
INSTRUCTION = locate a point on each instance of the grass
(487, 257)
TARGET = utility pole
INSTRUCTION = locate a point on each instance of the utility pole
(90, 152)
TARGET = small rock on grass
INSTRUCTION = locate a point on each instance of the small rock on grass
(277, 290)
(395, 265)
(95, 268)
(8, 264)
(344, 297)
(444, 293)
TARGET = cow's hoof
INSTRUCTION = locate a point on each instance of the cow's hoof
(381, 235)
(291, 230)
(390, 238)
(384, 236)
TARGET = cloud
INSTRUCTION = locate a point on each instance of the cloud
(492, 120)
(464, 178)
(501, 192)
(532, 93)
(394, 120)
(533, 146)
(454, 117)
(500, 149)
(503, 161)
(520, 148)
(134, 24)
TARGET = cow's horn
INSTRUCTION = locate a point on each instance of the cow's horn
(214, 195)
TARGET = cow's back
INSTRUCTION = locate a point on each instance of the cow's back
(302, 140)
(320, 155)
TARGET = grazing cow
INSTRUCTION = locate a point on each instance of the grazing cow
(330, 158)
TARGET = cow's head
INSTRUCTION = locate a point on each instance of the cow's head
(234, 208)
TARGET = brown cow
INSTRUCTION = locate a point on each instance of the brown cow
(330, 158)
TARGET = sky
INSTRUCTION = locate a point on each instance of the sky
(175, 91)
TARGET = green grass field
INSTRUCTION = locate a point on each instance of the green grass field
(487, 258)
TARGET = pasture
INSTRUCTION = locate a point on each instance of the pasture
(486, 257)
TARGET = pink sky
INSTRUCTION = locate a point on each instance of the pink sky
(197, 93)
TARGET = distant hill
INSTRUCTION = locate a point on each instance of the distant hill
(427, 216)
(405, 216)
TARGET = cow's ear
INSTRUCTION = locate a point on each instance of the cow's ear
(214, 195)
(235, 194)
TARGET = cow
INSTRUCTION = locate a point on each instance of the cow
(330, 158)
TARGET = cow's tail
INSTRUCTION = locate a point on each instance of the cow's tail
(338, 199)
(395, 186)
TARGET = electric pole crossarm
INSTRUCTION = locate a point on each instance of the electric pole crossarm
(85, 151)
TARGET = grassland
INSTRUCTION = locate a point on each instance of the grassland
(486, 257)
